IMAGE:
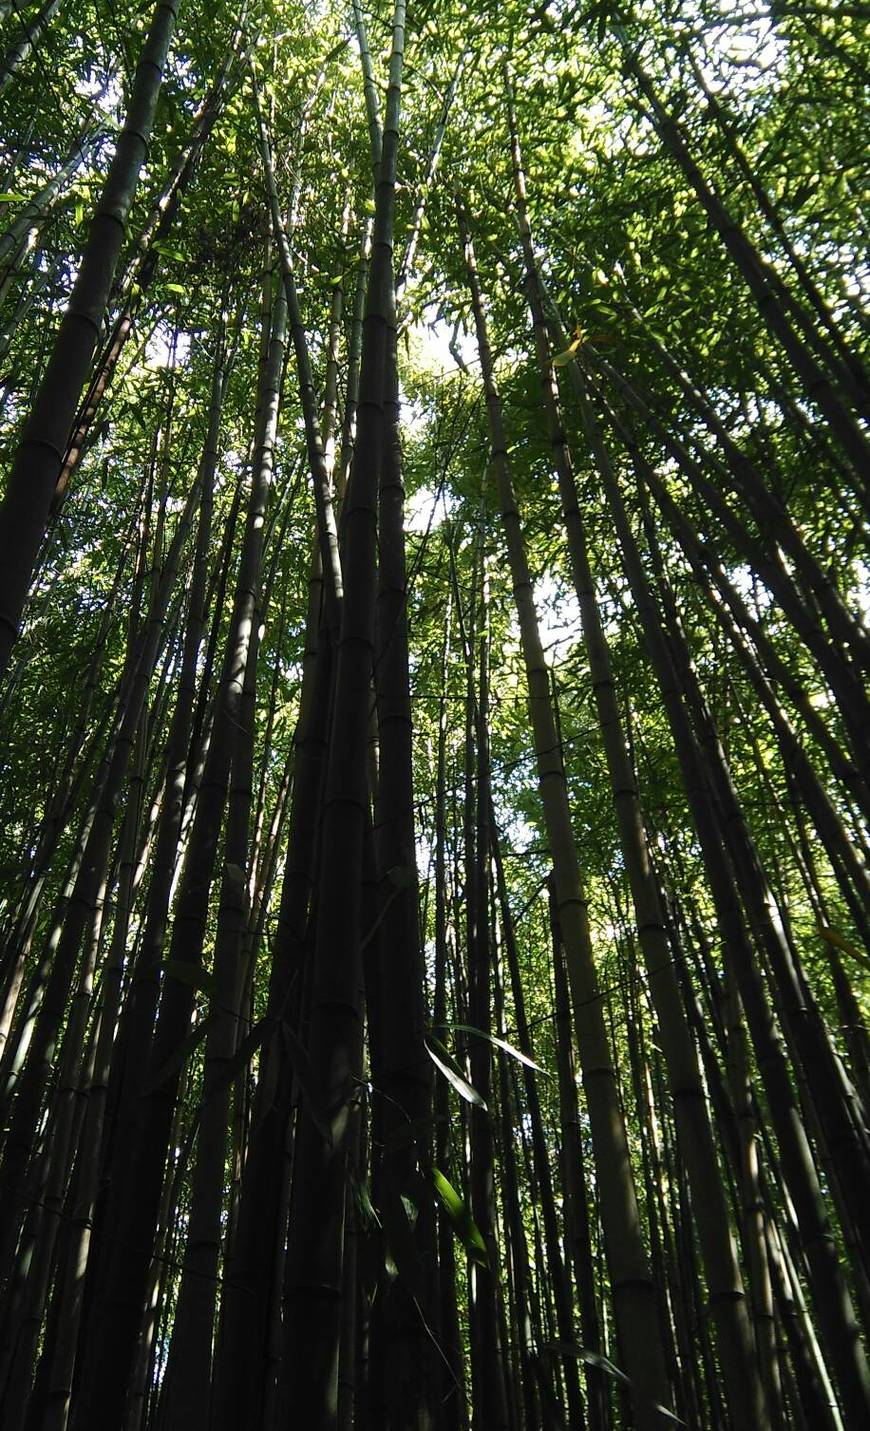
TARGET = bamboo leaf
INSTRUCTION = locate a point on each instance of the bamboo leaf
(461, 1220)
(400, 878)
(839, 941)
(167, 251)
(447, 1065)
(365, 1206)
(193, 975)
(176, 1060)
(312, 1103)
(401, 1248)
(592, 1358)
(502, 1044)
(232, 1067)
(561, 359)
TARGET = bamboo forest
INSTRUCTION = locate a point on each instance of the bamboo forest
(434, 719)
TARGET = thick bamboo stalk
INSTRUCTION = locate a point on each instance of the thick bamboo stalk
(315, 1281)
(30, 36)
(33, 477)
(697, 1146)
(108, 1360)
(191, 1351)
(631, 1283)
(84, 895)
(834, 1303)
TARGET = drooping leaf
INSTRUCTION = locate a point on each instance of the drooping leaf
(593, 1358)
(401, 1248)
(177, 1060)
(561, 359)
(363, 1199)
(446, 1063)
(839, 941)
(461, 1220)
(400, 877)
(232, 1067)
(312, 1100)
(193, 975)
(501, 1043)
(667, 1415)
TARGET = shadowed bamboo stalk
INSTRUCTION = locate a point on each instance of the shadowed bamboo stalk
(697, 1146)
(313, 1292)
(139, 1163)
(630, 1279)
(28, 39)
(829, 1286)
(37, 464)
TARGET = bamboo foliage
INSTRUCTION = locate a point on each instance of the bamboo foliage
(433, 853)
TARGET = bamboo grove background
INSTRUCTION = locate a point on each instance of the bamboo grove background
(433, 858)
